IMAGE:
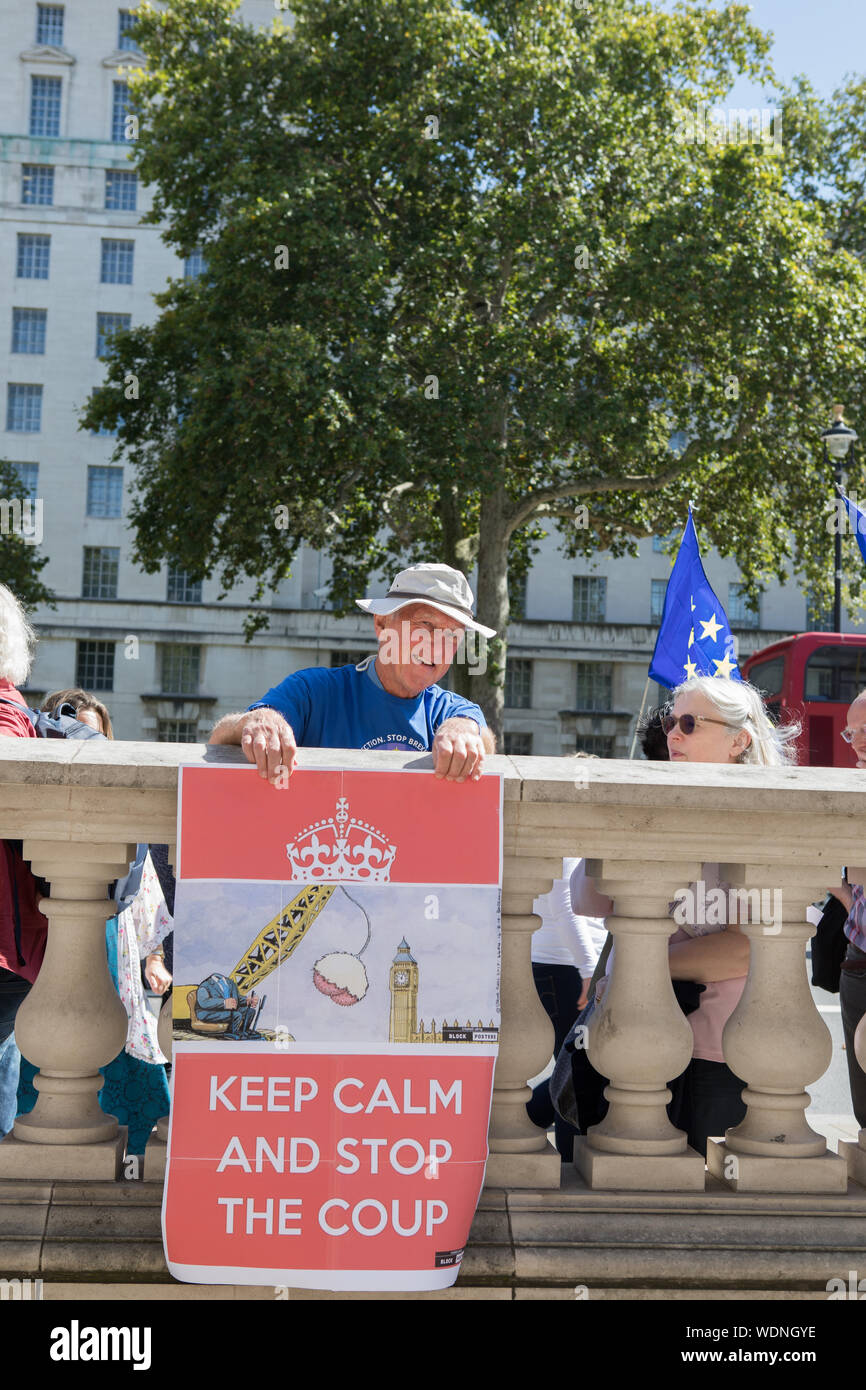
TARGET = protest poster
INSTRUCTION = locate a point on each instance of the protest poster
(336, 1021)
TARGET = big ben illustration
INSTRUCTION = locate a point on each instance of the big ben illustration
(404, 996)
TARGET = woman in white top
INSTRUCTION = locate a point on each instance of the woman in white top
(565, 949)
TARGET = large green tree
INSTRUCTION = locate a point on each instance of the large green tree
(471, 271)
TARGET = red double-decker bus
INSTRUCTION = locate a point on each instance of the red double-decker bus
(812, 677)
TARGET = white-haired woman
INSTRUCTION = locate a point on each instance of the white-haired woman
(712, 720)
(22, 927)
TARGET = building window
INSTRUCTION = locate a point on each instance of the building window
(121, 190)
(819, 616)
(518, 684)
(177, 731)
(49, 24)
(126, 22)
(99, 578)
(119, 110)
(179, 668)
(104, 490)
(182, 589)
(739, 614)
(599, 744)
(28, 476)
(117, 257)
(348, 658)
(517, 598)
(45, 106)
(94, 666)
(37, 185)
(34, 254)
(28, 330)
(589, 596)
(104, 432)
(24, 409)
(658, 589)
(518, 745)
(594, 685)
(106, 325)
(194, 265)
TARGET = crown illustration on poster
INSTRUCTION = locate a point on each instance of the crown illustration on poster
(341, 847)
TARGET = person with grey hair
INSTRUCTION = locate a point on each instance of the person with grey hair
(714, 720)
(710, 720)
(17, 644)
(22, 927)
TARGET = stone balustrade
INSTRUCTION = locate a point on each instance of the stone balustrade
(645, 828)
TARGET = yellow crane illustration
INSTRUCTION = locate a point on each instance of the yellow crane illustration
(274, 944)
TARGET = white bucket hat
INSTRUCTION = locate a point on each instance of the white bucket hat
(439, 586)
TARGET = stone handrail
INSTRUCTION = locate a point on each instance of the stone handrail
(645, 828)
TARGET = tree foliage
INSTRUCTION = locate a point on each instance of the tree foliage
(466, 281)
(20, 534)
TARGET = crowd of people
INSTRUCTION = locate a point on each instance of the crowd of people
(706, 721)
(393, 700)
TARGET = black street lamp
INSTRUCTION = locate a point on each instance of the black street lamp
(837, 440)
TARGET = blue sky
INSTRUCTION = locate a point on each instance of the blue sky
(825, 40)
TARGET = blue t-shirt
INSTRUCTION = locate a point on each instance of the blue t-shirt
(346, 707)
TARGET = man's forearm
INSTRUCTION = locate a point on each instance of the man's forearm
(722, 955)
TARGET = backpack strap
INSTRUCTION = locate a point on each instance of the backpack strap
(22, 709)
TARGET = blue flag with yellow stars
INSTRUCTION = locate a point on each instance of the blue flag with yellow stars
(857, 519)
(694, 638)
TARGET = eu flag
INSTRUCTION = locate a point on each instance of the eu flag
(694, 638)
(858, 521)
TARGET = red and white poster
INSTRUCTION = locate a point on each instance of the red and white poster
(336, 1021)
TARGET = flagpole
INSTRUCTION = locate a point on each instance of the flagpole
(640, 717)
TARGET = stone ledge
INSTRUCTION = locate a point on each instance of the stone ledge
(83, 1238)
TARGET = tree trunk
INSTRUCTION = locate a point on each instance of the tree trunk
(452, 535)
(488, 686)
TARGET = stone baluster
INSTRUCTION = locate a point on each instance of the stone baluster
(855, 1154)
(639, 1037)
(72, 1021)
(520, 1155)
(776, 1040)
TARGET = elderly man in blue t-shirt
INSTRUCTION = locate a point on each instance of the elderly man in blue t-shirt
(390, 701)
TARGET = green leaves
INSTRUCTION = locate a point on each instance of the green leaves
(464, 275)
(21, 525)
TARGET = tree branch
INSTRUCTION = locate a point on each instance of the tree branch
(641, 483)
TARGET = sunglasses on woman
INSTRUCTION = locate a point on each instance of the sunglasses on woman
(689, 722)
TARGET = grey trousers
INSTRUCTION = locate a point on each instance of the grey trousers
(852, 997)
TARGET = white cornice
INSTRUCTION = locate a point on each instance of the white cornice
(124, 58)
(47, 53)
